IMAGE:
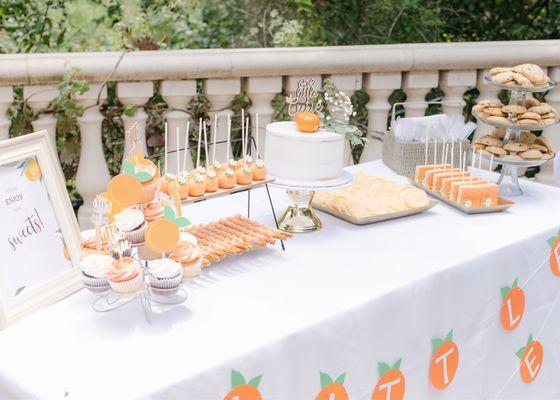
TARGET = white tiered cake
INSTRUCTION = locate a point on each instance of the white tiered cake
(292, 154)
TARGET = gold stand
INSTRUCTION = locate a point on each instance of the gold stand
(299, 216)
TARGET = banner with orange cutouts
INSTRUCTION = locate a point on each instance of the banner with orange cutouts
(391, 384)
(531, 358)
(513, 306)
(243, 390)
(332, 389)
(444, 362)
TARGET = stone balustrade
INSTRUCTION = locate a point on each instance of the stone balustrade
(261, 74)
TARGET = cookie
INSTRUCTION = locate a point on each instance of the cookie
(531, 154)
(544, 142)
(527, 137)
(514, 109)
(549, 121)
(497, 70)
(551, 114)
(534, 73)
(499, 133)
(498, 151)
(521, 79)
(531, 102)
(512, 157)
(501, 120)
(517, 68)
(503, 77)
(516, 146)
(494, 111)
(478, 146)
(547, 156)
(489, 141)
(485, 152)
(541, 109)
(528, 122)
(479, 107)
(539, 147)
(490, 103)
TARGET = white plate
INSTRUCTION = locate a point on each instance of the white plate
(481, 118)
(344, 179)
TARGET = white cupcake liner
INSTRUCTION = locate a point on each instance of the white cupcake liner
(137, 235)
(192, 270)
(96, 285)
(131, 286)
(166, 284)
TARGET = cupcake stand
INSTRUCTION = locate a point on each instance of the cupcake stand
(508, 180)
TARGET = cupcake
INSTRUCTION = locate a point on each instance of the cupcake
(131, 221)
(94, 269)
(197, 185)
(244, 175)
(125, 276)
(259, 170)
(212, 182)
(153, 211)
(165, 276)
(190, 257)
(227, 179)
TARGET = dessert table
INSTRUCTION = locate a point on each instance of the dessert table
(341, 300)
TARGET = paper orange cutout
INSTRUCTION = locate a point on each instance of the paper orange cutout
(162, 236)
(125, 190)
(391, 384)
(531, 361)
(513, 308)
(444, 364)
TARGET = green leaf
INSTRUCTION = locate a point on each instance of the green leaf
(325, 379)
(340, 379)
(436, 344)
(530, 339)
(236, 379)
(128, 168)
(397, 364)
(130, 109)
(19, 290)
(449, 337)
(143, 176)
(255, 381)
(551, 241)
(515, 283)
(505, 290)
(520, 352)
(182, 222)
(169, 213)
(383, 368)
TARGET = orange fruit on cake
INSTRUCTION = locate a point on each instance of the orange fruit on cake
(513, 306)
(391, 384)
(242, 390)
(32, 171)
(332, 389)
(307, 122)
(444, 362)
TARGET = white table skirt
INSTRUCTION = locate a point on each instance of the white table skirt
(340, 300)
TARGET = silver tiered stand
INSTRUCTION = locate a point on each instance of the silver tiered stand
(299, 216)
(508, 180)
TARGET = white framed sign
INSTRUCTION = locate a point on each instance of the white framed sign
(39, 234)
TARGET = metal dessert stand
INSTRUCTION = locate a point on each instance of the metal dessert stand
(299, 216)
(509, 180)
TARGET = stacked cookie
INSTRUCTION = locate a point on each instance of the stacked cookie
(533, 112)
(523, 75)
(529, 147)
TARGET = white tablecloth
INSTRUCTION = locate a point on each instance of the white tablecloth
(340, 300)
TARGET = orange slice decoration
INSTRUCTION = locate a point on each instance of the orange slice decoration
(125, 190)
(162, 236)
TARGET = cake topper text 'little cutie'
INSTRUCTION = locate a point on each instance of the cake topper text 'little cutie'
(306, 98)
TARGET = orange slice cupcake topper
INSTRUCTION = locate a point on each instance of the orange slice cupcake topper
(332, 389)
(242, 390)
(125, 190)
(531, 357)
(445, 361)
(391, 384)
(513, 306)
(162, 235)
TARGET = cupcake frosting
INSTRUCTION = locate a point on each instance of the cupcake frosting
(164, 268)
(188, 237)
(153, 211)
(123, 269)
(96, 265)
(129, 219)
(186, 252)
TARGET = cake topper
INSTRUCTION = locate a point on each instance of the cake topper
(101, 209)
(305, 99)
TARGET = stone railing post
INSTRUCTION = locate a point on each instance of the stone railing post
(220, 93)
(38, 97)
(379, 86)
(416, 85)
(553, 133)
(93, 174)
(177, 95)
(261, 91)
(138, 94)
(6, 99)
(454, 84)
(347, 84)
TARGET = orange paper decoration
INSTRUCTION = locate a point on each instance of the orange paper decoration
(125, 190)
(444, 362)
(162, 236)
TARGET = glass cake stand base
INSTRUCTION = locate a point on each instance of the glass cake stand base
(509, 182)
(299, 216)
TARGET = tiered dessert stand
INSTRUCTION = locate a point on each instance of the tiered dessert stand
(508, 180)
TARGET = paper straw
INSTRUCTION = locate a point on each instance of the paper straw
(186, 146)
(165, 149)
(206, 145)
(257, 135)
(198, 146)
(228, 136)
(214, 141)
(177, 154)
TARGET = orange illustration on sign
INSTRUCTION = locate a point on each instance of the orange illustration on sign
(445, 361)
(531, 357)
(391, 384)
(513, 306)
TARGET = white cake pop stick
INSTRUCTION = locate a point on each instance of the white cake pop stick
(177, 153)
(186, 146)
(460, 152)
(206, 145)
(198, 145)
(242, 133)
(257, 136)
(165, 148)
(214, 140)
(435, 151)
(452, 158)
(425, 150)
(491, 162)
(480, 159)
(247, 138)
(228, 137)
(443, 151)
